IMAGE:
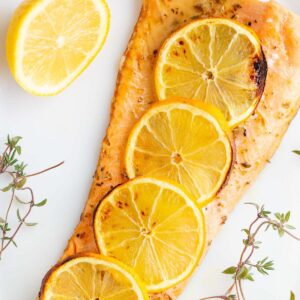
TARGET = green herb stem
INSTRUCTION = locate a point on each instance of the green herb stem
(46, 170)
(10, 165)
(242, 271)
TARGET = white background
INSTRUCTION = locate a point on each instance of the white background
(71, 126)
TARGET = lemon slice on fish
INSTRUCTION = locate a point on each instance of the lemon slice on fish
(186, 141)
(154, 227)
(51, 42)
(216, 61)
(91, 276)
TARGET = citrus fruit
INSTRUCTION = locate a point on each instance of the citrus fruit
(154, 227)
(185, 141)
(50, 42)
(217, 61)
(92, 277)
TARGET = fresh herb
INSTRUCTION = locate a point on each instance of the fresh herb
(297, 152)
(246, 268)
(12, 167)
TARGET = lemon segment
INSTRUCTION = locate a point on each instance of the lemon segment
(216, 61)
(92, 277)
(50, 43)
(154, 227)
(185, 141)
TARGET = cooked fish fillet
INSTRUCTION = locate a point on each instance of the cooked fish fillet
(256, 140)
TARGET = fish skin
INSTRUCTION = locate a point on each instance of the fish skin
(256, 140)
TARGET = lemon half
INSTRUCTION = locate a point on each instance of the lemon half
(50, 42)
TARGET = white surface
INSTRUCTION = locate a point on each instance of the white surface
(71, 126)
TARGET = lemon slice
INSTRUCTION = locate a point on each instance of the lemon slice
(154, 227)
(185, 141)
(92, 277)
(217, 61)
(50, 42)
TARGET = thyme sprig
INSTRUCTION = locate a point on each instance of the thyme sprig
(245, 268)
(11, 166)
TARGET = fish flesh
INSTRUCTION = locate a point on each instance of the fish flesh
(256, 140)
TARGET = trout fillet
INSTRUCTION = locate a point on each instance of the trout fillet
(256, 140)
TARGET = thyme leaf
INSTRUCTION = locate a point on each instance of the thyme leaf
(12, 166)
(245, 269)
